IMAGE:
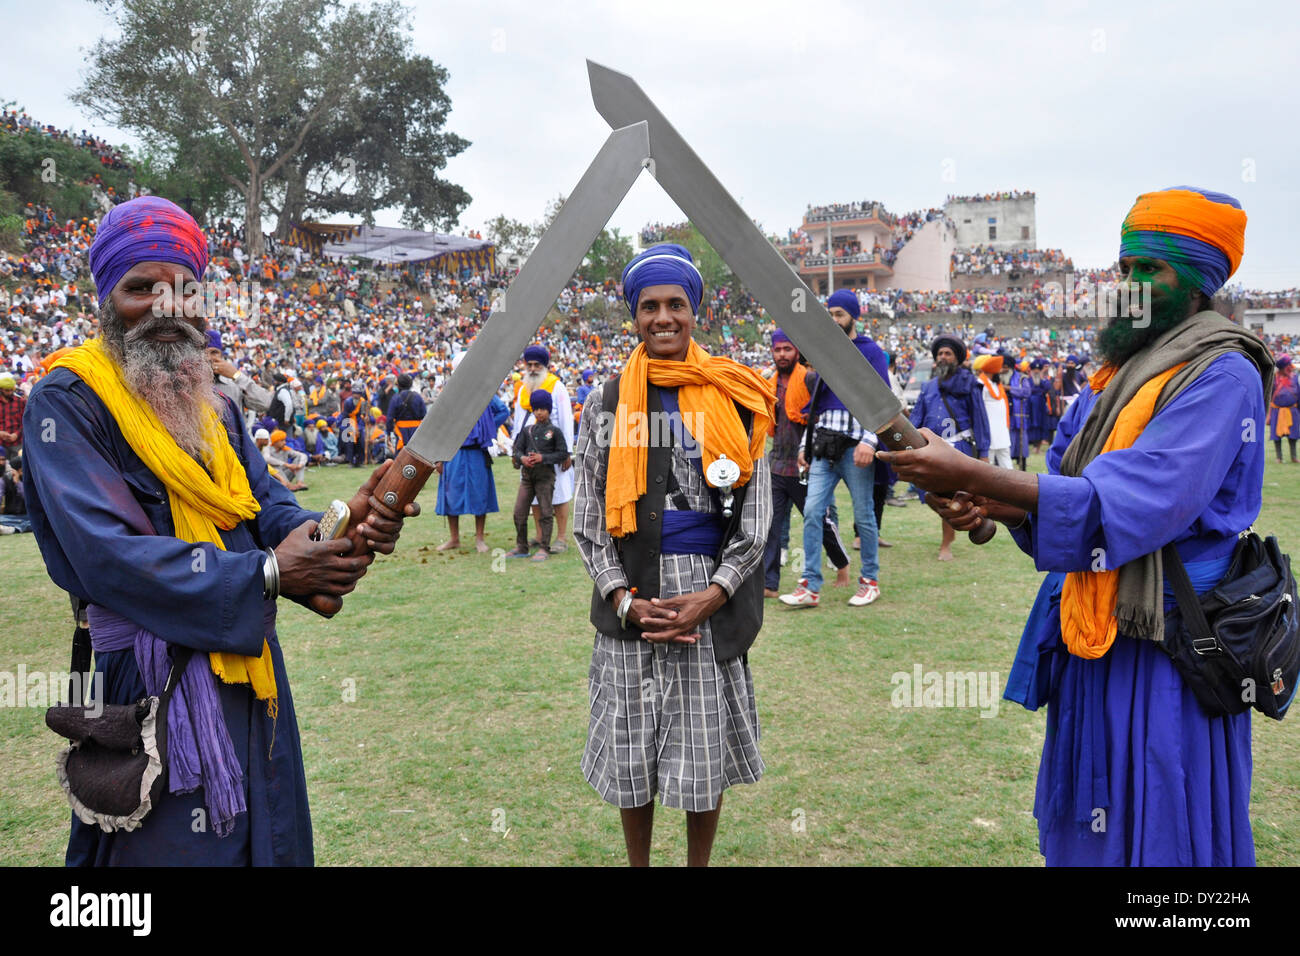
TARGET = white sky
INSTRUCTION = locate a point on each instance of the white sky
(1086, 103)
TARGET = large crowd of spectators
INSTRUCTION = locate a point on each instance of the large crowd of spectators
(983, 260)
(993, 197)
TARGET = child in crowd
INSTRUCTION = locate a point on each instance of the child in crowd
(539, 447)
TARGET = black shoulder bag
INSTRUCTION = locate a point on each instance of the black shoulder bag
(1238, 646)
(115, 769)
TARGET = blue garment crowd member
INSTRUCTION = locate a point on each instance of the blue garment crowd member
(466, 485)
(1020, 388)
(951, 404)
(141, 444)
(1134, 772)
(837, 448)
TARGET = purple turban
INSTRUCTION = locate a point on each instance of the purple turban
(540, 398)
(1283, 361)
(847, 300)
(778, 335)
(664, 264)
(537, 353)
(147, 229)
(214, 340)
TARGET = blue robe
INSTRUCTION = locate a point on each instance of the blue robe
(466, 486)
(103, 524)
(1128, 747)
(1020, 391)
(964, 394)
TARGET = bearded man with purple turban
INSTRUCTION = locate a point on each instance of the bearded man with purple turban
(154, 510)
(1163, 446)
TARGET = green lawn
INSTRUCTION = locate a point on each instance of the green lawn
(463, 743)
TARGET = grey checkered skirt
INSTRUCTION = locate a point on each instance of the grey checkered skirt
(668, 719)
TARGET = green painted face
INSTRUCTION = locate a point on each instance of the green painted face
(1171, 303)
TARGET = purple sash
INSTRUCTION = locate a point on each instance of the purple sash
(199, 749)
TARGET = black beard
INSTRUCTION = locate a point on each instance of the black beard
(1120, 340)
(173, 378)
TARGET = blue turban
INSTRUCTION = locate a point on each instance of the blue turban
(1201, 234)
(664, 264)
(778, 335)
(847, 300)
(147, 229)
(214, 340)
(537, 353)
(540, 398)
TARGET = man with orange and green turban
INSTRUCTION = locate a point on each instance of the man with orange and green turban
(1163, 446)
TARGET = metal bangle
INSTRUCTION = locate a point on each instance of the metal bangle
(270, 576)
(623, 608)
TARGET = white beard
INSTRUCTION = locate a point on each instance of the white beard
(534, 380)
(173, 378)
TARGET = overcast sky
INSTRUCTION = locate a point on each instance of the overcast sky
(1086, 103)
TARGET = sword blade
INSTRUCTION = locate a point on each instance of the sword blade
(524, 305)
(758, 263)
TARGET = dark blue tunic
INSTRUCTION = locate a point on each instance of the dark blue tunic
(103, 523)
(1134, 773)
(964, 395)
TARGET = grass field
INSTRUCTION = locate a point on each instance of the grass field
(463, 742)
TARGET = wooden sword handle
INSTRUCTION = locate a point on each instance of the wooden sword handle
(403, 481)
(900, 435)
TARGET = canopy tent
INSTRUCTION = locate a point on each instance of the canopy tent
(395, 245)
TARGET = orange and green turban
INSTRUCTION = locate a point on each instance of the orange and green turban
(1201, 234)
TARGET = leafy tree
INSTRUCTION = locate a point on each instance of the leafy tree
(381, 148)
(510, 236)
(258, 77)
(607, 257)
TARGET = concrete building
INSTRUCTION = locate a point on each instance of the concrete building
(846, 239)
(1000, 223)
(1274, 321)
(924, 264)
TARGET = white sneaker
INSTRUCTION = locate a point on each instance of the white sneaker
(868, 591)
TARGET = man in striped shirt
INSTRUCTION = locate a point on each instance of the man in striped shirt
(837, 447)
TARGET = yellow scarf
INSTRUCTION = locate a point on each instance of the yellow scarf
(1088, 625)
(201, 503)
(525, 397)
(710, 388)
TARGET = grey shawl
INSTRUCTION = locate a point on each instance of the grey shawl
(1204, 337)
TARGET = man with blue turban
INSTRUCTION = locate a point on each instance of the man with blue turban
(153, 507)
(837, 448)
(676, 564)
(538, 375)
(1162, 447)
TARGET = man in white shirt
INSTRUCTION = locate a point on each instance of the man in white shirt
(997, 406)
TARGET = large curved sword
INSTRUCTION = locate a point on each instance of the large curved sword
(759, 265)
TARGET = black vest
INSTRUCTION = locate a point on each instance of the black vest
(736, 624)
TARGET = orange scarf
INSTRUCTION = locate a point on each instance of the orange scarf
(796, 395)
(1088, 625)
(997, 394)
(709, 389)
(1284, 412)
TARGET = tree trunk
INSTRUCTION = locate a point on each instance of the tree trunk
(253, 218)
(295, 201)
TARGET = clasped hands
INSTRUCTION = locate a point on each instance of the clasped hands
(674, 620)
